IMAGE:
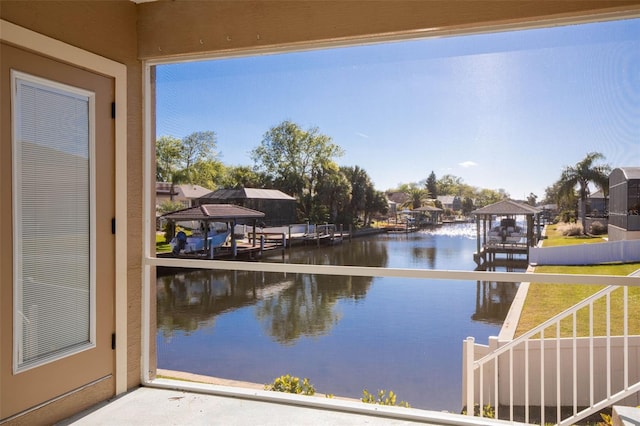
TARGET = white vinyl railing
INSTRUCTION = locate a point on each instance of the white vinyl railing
(558, 371)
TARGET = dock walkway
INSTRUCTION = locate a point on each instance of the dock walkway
(489, 253)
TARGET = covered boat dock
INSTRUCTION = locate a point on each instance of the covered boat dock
(499, 234)
(230, 214)
(428, 216)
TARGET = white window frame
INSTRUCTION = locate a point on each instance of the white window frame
(151, 261)
(18, 80)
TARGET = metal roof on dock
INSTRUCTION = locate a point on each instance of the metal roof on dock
(507, 207)
(247, 193)
(214, 212)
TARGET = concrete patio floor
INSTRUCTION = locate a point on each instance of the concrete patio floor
(151, 406)
(165, 406)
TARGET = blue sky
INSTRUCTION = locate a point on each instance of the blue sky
(501, 111)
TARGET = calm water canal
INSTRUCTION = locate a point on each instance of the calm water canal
(345, 334)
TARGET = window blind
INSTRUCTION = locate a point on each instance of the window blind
(52, 220)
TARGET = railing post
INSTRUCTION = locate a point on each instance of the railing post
(468, 387)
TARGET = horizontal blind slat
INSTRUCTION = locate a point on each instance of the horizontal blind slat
(54, 214)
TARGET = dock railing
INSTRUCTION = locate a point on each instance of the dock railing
(558, 371)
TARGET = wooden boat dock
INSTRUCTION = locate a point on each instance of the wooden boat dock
(505, 239)
(490, 252)
(261, 240)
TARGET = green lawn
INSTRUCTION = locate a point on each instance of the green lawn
(546, 300)
(555, 237)
(161, 245)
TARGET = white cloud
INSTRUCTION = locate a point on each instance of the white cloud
(362, 135)
(467, 164)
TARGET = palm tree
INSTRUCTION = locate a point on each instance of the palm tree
(580, 175)
(416, 195)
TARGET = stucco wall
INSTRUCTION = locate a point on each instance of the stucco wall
(124, 31)
(109, 30)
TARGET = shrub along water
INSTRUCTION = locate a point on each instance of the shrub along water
(292, 384)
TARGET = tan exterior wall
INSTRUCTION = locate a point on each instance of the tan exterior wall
(124, 32)
(64, 407)
(107, 29)
(185, 28)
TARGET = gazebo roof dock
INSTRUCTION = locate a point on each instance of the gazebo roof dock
(500, 233)
(206, 215)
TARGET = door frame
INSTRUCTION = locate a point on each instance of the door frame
(63, 52)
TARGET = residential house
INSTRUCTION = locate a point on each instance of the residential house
(451, 202)
(549, 212)
(278, 207)
(597, 204)
(186, 194)
(100, 56)
(396, 199)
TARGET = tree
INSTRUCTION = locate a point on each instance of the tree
(449, 185)
(531, 199)
(244, 177)
(581, 175)
(417, 195)
(563, 201)
(169, 206)
(377, 203)
(485, 197)
(432, 186)
(360, 182)
(167, 157)
(295, 158)
(188, 160)
(467, 206)
(206, 173)
(333, 192)
(365, 201)
(197, 147)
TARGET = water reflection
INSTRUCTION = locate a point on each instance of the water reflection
(345, 333)
(493, 300)
(426, 253)
(287, 305)
(358, 252)
(191, 299)
(293, 305)
(308, 308)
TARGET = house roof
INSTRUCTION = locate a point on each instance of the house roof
(630, 172)
(397, 197)
(214, 212)
(598, 194)
(165, 188)
(186, 190)
(447, 199)
(192, 191)
(427, 209)
(507, 207)
(247, 193)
